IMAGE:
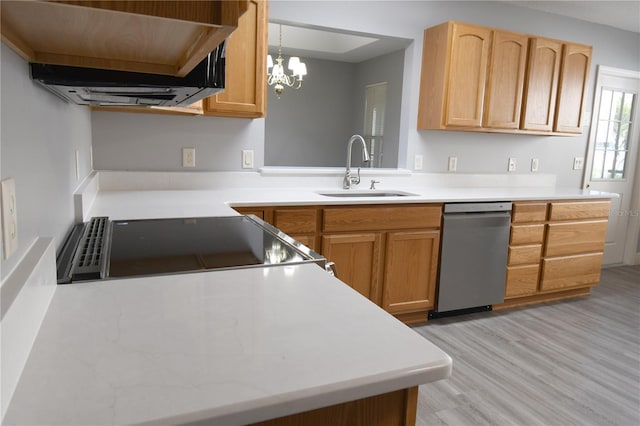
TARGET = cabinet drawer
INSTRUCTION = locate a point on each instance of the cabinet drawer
(527, 234)
(529, 212)
(521, 280)
(524, 255)
(571, 271)
(575, 238)
(579, 210)
(381, 218)
(295, 220)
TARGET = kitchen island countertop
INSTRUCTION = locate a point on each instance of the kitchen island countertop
(233, 347)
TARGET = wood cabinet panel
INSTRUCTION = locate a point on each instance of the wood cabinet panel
(158, 37)
(522, 280)
(528, 212)
(396, 408)
(571, 271)
(505, 82)
(246, 75)
(579, 210)
(307, 240)
(374, 218)
(541, 87)
(526, 234)
(467, 75)
(522, 255)
(358, 261)
(250, 210)
(575, 237)
(296, 220)
(411, 265)
(572, 91)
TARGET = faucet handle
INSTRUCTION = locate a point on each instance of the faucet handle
(373, 184)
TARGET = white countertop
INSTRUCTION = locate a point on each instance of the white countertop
(217, 202)
(233, 346)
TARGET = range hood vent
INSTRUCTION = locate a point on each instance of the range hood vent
(91, 86)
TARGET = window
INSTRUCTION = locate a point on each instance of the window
(612, 134)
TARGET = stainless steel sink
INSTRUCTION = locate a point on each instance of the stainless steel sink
(369, 193)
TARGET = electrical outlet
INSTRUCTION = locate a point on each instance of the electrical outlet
(247, 159)
(453, 164)
(578, 163)
(512, 164)
(417, 162)
(188, 157)
(534, 164)
(9, 217)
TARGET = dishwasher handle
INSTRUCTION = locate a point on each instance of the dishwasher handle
(475, 220)
(496, 206)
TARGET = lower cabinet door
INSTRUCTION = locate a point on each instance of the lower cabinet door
(411, 265)
(571, 271)
(522, 280)
(357, 259)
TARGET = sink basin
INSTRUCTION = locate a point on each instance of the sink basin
(370, 193)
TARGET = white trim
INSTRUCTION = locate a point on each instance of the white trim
(630, 255)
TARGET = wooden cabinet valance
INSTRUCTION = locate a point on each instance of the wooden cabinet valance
(484, 79)
(157, 37)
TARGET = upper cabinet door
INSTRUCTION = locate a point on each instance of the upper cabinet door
(541, 87)
(246, 73)
(467, 75)
(572, 92)
(506, 80)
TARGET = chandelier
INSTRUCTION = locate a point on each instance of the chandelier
(276, 76)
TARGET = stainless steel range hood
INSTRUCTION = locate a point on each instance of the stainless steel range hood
(90, 86)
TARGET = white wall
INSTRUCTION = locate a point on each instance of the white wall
(39, 137)
(143, 142)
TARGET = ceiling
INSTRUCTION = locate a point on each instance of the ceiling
(323, 43)
(624, 15)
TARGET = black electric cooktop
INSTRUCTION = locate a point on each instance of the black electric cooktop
(126, 248)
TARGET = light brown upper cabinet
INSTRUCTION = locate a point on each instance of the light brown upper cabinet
(246, 74)
(454, 72)
(538, 110)
(572, 92)
(503, 99)
(483, 79)
(158, 37)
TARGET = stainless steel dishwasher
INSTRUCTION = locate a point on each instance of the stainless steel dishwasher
(473, 257)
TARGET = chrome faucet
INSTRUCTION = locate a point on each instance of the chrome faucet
(348, 179)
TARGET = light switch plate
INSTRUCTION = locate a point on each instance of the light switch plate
(578, 163)
(9, 217)
(247, 159)
(512, 164)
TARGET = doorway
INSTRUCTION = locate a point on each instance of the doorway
(612, 159)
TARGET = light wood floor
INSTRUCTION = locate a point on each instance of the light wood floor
(575, 362)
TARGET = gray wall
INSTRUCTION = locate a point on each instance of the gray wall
(146, 142)
(310, 126)
(39, 137)
(150, 144)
